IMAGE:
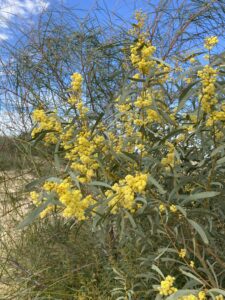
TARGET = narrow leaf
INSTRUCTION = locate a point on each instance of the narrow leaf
(200, 231)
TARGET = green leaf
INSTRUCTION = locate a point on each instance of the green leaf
(160, 61)
(200, 231)
(131, 219)
(53, 179)
(217, 291)
(100, 183)
(181, 293)
(34, 183)
(74, 178)
(218, 150)
(220, 161)
(166, 117)
(35, 213)
(153, 181)
(184, 95)
(171, 134)
(97, 122)
(192, 276)
(197, 196)
(56, 157)
(181, 210)
(155, 268)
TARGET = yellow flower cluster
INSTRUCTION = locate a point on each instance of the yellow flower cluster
(140, 18)
(214, 117)
(82, 154)
(142, 49)
(173, 208)
(201, 296)
(144, 100)
(50, 208)
(36, 199)
(210, 42)
(152, 116)
(144, 114)
(75, 97)
(166, 287)
(75, 204)
(67, 135)
(162, 73)
(123, 107)
(208, 95)
(123, 193)
(143, 119)
(76, 83)
(219, 297)
(188, 80)
(162, 208)
(169, 160)
(192, 60)
(46, 122)
(141, 53)
(180, 138)
(182, 253)
(192, 264)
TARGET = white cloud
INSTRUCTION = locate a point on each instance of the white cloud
(11, 10)
(3, 36)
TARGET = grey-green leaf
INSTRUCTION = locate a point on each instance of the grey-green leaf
(200, 231)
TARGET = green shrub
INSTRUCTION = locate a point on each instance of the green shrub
(146, 177)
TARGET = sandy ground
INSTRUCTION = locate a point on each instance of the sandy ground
(13, 203)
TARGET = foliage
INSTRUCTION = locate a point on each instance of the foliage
(128, 160)
(149, 169)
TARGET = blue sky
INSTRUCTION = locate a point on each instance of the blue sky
(22, 15)
(124, 8)
(16, 15)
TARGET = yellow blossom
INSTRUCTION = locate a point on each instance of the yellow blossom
(173, 208)
(47, 122)
(210, 42)
(192, 60)
(188, 80)
(166, 287)
(49, 185)
(192, 264)
(123, 193)
(50, 208)
(208, 95)
(201, 295)
(35, 197)
(182, 253)
(162, 208)
(219, 297)
(76, 82)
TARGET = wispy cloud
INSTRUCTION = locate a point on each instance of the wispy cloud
(11, 10)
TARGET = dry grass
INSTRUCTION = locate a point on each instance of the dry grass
(13, 204)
